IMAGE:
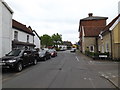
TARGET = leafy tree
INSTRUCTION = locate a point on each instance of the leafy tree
(46, 40)
(57, 39)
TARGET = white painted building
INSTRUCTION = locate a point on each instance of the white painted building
(22, 35)
(5, 28)
(14, 34)
(37, 40)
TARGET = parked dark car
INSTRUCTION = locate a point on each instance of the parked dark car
(17, 59)
(44, 55)
(53, 52)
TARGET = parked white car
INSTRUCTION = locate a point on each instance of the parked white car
(73, 50)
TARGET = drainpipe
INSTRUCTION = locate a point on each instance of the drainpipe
(96, 44)
(111, 44)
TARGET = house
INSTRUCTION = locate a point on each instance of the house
(6, 14)
(68, 44)
(14, 34)
(24, 36)
(89, 29)
(109, 39)
(37, 39)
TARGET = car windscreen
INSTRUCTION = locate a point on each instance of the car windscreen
(42, 52)
(14, 53)
(51, 51)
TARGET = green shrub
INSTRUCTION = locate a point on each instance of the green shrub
(96, 55)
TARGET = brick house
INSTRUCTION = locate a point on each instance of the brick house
(109, 39)
(89, 29)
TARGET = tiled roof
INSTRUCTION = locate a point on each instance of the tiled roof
(21, 27)
(92, 31)
(110, 24)
(94, 18)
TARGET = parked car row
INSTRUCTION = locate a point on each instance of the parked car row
(17, 59)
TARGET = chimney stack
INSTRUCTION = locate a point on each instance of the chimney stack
(90, 14)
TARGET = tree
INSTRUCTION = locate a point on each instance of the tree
(46, 40)
(57, 39)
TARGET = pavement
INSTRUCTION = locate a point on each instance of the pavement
(113, 79)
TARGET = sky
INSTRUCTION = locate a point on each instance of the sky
(60, 16)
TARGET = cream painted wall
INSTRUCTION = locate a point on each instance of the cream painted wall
(116, 32)
(102, 43)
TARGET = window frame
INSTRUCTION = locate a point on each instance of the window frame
(16, 35)
(28, 38)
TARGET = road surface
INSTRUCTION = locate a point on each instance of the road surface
(67, 70)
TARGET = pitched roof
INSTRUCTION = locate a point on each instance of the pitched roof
(107, 28)
(94, 18)
(92, 31)
(21, 27)
(6, 5)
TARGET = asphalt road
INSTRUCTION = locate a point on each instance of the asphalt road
(67, 70)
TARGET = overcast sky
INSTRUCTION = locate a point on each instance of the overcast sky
(60, 16)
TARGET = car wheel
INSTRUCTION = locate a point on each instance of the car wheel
(50, 57)
(45, 58)
(19, 67)
(35, 62)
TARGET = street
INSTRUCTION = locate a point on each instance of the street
(67, 70)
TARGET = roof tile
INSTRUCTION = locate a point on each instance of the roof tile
(92, 31)
(20, 26)
(110, 24)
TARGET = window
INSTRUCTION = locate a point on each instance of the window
(103, 48)
(15, 35)
(107, 47)
(33, 39)
(99, 49)
(27, 38)
(91, 48)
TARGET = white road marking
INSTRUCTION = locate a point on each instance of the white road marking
(77, 59)
(90, 61)
(102, 75)
(91, 82)
(106, 76)
(113, 76)
(85, 78)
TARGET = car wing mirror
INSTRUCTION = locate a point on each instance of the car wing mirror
(6, 54)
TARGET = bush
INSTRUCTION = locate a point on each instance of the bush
(96, 55)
